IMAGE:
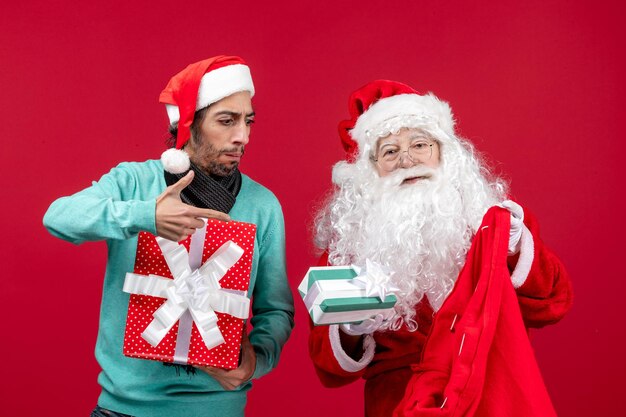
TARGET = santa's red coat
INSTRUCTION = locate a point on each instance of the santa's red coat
(473, 356)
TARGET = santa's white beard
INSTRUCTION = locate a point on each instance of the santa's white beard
(420, 231)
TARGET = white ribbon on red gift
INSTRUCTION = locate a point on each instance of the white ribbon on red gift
(196, 290)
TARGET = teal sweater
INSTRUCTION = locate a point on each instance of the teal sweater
(116, 209)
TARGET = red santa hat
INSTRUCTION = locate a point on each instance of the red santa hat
(380, 101)
(197, 86)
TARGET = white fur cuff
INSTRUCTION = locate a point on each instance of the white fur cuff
(346, 362)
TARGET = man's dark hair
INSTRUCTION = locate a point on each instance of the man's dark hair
(198, 118)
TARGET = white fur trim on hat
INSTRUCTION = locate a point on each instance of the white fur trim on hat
(175, 161)
(217, 84)
(427, 106)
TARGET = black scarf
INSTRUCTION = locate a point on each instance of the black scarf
(208, 191)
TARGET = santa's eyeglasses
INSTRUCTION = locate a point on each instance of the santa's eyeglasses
(390, 155)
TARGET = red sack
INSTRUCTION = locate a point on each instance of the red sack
(478, 360)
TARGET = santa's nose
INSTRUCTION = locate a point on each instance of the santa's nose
(405, 160)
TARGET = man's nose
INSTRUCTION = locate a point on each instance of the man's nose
(242, 134)
(405, 160)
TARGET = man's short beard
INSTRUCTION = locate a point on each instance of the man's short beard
(421, 231)
(222, 170)
(208, 156)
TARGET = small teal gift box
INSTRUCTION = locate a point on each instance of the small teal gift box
(341, 294)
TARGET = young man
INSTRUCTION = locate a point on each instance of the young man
(210, 110)
(416, 198)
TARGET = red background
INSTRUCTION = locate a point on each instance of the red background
(534, 84)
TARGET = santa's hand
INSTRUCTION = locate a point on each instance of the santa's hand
(367, 326)
(176, 220)
(517, 222)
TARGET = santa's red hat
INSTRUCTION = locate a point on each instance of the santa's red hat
(381, 107)
(197, 86)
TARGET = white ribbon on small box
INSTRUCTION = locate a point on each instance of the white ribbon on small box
(373, 280)
(193, 290)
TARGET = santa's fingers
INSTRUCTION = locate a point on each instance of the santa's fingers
(517, 212)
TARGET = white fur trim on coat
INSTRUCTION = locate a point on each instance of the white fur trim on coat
(346, 362)
(428, 106)
(217, 84)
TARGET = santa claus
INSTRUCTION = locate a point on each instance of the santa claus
(419, 200)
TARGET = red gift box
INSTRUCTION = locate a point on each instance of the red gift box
(151, 260)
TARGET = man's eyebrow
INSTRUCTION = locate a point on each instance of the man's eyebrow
(232, 113)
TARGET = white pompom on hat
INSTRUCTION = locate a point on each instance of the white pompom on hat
(197, 86)
(175, 161)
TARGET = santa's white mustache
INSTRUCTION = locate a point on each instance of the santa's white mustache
(398, 176)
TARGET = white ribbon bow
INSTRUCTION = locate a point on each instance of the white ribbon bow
(375, 278)
(197, 291)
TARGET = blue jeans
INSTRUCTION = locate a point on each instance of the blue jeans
(103, 412)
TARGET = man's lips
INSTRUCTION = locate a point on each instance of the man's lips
(233, 155)
(413, 180)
